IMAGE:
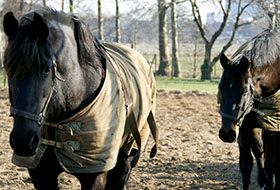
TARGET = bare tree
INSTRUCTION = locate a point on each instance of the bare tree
(206, 68)
(271, 9)
(164, 65)
(62, 5)
(100, 20)
(44, 3)
(175, 55)
(71, 6)
(118, 36)
(21, 5)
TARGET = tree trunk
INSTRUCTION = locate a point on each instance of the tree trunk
(164, 66)
(175, 55)
(195, 54)
(71, 6)
(44, 3)
(206, 68)
(21, 6)
(276, 17)
(118, 37)
(62, 5)
(135, 36)
(30, 5)
(100, 20)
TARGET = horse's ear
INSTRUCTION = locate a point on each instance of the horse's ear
(39, 27)
(224, 60)
(10, 25)
(244, 64)
(85, 42)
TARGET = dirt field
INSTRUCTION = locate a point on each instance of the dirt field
(191, 156)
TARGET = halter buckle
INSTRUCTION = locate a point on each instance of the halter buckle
(40, 119)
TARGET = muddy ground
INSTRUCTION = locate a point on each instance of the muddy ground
(191, 156)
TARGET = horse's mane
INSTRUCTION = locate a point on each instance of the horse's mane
(262, 50)
(23, 51)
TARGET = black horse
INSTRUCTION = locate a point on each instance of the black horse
(76, 105)
(247, 91)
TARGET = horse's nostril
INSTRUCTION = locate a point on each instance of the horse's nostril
(34, 142)
(24, 146)
(232, 136)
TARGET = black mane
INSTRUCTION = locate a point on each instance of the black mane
(263, 49)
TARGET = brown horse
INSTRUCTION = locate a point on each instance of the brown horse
(78, 105)
(249, 79)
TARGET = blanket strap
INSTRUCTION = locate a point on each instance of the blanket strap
(59, 126)
(68, 146)
(135, 132)
(154, 131)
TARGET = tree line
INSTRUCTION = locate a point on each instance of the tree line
(230, 12)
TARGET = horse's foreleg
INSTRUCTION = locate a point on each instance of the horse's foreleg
(245, 142)
(44, 176)
(258, 152)
(43, 180)
(277, 181)
(92, 181)
(269, 149)
(245, 165)
(118, 176)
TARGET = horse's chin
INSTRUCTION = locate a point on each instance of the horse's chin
(25, 153)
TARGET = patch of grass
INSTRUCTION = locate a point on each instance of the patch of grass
(166, 83)
(2, 78)
(186, 84)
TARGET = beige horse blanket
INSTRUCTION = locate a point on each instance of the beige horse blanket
(101, 130)
(269, 112)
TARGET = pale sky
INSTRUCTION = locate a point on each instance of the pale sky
(108, 6)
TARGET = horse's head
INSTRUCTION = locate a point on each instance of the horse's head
(29, 62)
(48, 64)
(235, 96)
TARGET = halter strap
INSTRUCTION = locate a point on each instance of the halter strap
(41, 116)
(248, 108)
(229, 117)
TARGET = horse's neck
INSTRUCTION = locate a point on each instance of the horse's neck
(268, 78)
(76, 92)
(93, 80)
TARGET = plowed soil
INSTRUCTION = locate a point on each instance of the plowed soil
(191, 156)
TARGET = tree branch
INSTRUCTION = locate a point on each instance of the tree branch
(240, 11)
(222, 7)
(223, 24)
(198, 21)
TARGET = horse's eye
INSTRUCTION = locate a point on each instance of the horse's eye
(47, 70)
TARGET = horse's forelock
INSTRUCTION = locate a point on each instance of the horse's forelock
(23, 51)
(20, 55)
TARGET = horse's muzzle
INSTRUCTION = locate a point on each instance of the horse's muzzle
(228, 137)
(24, 146)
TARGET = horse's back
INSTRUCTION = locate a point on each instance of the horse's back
(138, 79)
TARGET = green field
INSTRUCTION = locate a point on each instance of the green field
(2, 79)
(178, 84)
(186, 84)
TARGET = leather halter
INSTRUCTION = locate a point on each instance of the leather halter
(249, 98)
(41, 116)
